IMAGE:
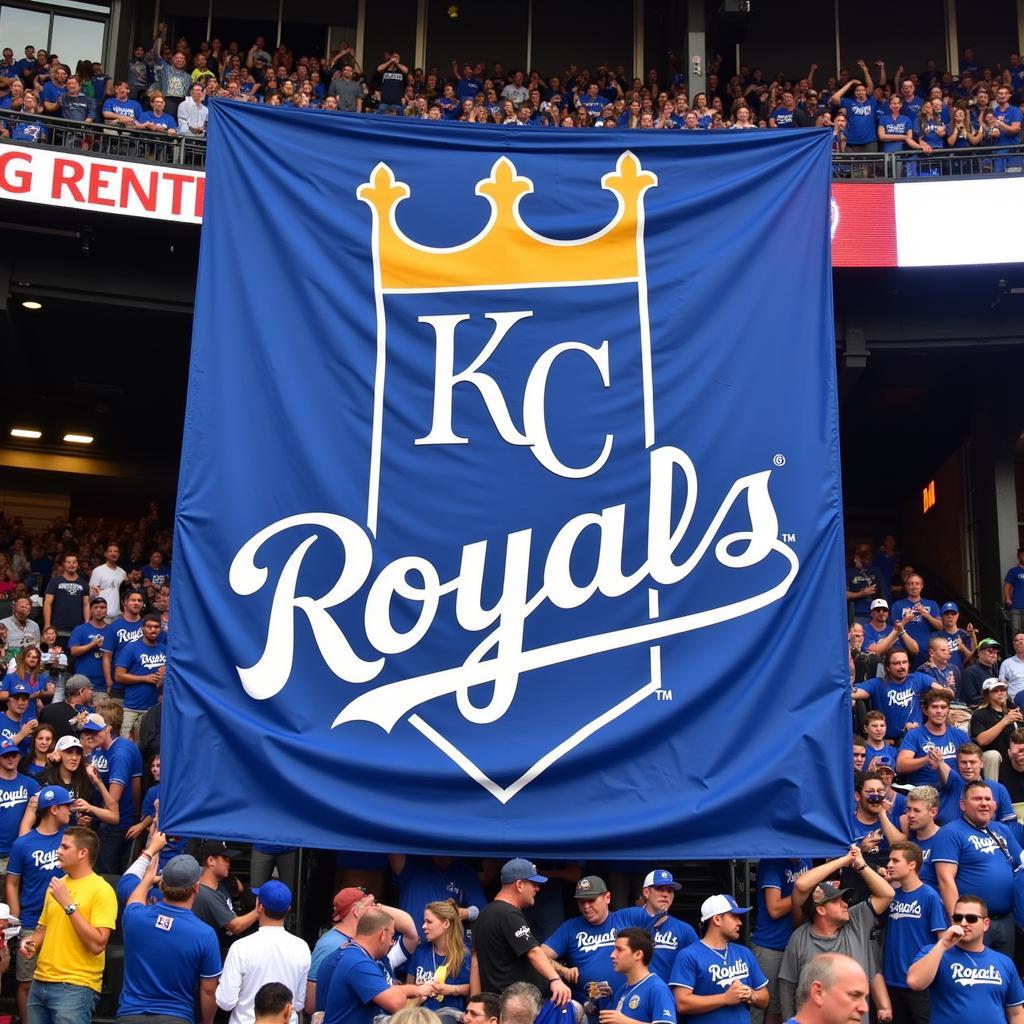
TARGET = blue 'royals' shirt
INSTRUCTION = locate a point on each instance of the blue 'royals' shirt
(986, 859)
(972, 986)
(468, 88)
(669, 938)
(90, 665)
(140, 659)
(1015, 578)
(860, 121)
(156, 577)
(949, 800)
(916, 626)
(356, 979)
(421, 882)
(783, 118)
(589, 946)
(166, 949)
(423, 965)
(918, 741)
(51, 93)
(34, 859)
(898, 125)
(9, 729)
(123, 108)
(897, 701)
(781, 874)
(914, 917)
(120, 633)
(911, 108)
(956, 659)
(927, 873)
(14, 795)
(150, 117)
(120, 762)
(709, 972)
(648, 1000)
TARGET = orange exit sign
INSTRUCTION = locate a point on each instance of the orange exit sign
(928, 497)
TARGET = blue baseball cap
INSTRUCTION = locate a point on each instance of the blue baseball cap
(54, 796)
(723, 903)
(274, 896)
(519, 869)
(94, 723)
(660, 877)
(949, 606)
(883, 761)
(7, 747)
(19, 689)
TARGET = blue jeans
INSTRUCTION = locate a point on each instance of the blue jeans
(56, 1002)
(1000, 936)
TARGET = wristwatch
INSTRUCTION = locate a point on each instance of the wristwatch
(70, 909)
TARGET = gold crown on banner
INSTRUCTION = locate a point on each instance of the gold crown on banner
(507, 252)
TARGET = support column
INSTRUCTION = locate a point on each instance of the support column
(993, 449)
(952, 42)
(420, 56)
(696, 48)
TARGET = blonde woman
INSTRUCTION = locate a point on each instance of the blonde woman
(442, 960)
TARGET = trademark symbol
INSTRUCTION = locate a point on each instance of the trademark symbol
(789, 538)
(663, 694)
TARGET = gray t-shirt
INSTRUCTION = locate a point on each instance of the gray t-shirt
(348, 92)
(21, 636)
(853, 940)
(214, 906)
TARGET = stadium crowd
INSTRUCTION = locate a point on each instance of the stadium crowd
(920, 918)
(168, 88)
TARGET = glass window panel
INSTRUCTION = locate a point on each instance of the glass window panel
(76, 39)
(990, 29)
(20, 28)
(306, 23)
(79, 5)
(771, 43)
(241, 21)
(921, 31)
(604, 36)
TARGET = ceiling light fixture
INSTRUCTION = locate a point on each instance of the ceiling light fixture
(79, 438)
(32, 435)
(31, 304)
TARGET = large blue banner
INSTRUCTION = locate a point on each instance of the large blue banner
(509, 516)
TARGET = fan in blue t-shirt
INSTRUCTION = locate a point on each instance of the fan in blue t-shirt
(965, 980)
(719, 964)
(443, 961)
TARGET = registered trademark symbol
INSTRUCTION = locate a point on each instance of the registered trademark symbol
(779, 460)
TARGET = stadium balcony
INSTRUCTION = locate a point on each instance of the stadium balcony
(141, 145)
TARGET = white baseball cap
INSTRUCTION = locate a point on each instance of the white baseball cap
(879, 602)
(723, 903)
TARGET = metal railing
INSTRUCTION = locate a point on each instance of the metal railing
(190, 151)
(113, 140)
(912, 165)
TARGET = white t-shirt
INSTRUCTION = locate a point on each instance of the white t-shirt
(108, 583)
(272, 954)
(1011, 672)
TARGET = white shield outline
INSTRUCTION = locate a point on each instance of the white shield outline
(506, 793)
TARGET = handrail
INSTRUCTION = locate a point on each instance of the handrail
(117, 140)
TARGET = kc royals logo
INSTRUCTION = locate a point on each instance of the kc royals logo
(528, 534)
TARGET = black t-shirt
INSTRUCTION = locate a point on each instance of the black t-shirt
(982, 720)
(59, 715)
(1013, 780)
(67, 603)
(392, 85)
(502, 938)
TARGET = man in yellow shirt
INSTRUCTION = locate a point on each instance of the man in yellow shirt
(78, 915)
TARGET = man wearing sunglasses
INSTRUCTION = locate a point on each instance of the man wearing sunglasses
(965, 979)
